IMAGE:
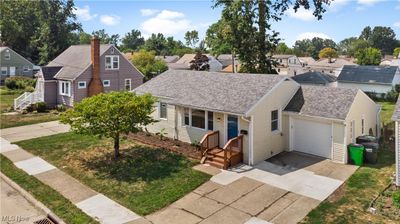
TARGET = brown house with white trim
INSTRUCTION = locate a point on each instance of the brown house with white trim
(82, 71)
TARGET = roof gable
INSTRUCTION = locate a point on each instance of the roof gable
(326, 102)
(314, 78)
(226, 92)
(48, 72)
(367, 74)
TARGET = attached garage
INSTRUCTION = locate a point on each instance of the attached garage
(312, 137)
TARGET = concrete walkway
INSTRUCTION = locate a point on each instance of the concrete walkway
(92, 203)
(33, 131)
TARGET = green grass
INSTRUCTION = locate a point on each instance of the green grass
(7, 98)
(62, 207)
(8, 121)
(144, 179)
(387, 111)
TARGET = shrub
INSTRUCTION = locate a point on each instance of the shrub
(61, 108)
(396, 198)
(19, 82)
(392, 95)
(30, 108)
(29, 89)
(41, 107)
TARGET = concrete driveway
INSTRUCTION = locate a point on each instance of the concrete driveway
(283, 190)
(33, 131)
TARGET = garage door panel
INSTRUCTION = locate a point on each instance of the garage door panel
(312, 137)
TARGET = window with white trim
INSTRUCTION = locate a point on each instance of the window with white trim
(82, 85)
(128, 84)
(275, 120)
(26, 68)
(197, 118)
(106, 83)
(163, 111)
(112, 62)
(7, 55)
(65, 88)
(3, 70)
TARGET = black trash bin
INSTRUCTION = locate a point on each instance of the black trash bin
(366, 138)
(370, 152)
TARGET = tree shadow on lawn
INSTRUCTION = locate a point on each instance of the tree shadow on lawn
(138, 163)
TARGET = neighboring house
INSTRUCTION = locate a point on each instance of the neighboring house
(232, 69)
(306, 60)
(315, 78)
(82, 71)
(269, 114)
(288, 64)
(13, 64)
(396, 119)
(225, 59)
(329, 66)
(168, 59)
(184, 63)
(369, 78)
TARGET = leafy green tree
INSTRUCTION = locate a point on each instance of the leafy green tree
(217, 38)
(192, 38)
(357, 46)
(105, 38)
(312, 47)
(396, 52)
(366, 33)
(369, 56)
(328, 53)
(250, 22)
(132, 41)
(345, 46)
(383, 38)
(84, 38)
(110, 115)
(156, 42)
(282, 48)
(147, 64)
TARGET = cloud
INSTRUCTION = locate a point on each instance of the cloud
(166, 22)
(367, 2)
(336, 5)
(310, 35)
(148, 12)
(110, 20)
(301, 14)
(84, 13)
(396, 24)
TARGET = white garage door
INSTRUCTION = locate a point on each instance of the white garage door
(312, 137)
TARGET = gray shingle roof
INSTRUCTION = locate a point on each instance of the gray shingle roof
(396, 112)
(314, 78)
(321, 101)
(367, 74)
(75, 60)
(225, 92)
(48, 72)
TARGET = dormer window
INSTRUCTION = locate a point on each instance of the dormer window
(112, 62)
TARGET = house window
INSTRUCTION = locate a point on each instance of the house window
(112, 62)
(199, 119)
(210, 119)
(106, 83)
(163, 111)
(65, 88)
(26, 68)
(7, 55)
(128, 84)
(186, 116)
(82, 85)
(274, 120)
(3, 70)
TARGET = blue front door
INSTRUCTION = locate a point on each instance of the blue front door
(232, 126)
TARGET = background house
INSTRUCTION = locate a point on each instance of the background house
(184, 63)
(273, 113)
(13, 64)
(316, 78)
(288, 64)
(329, 66)
(374, 79)
(82, 71)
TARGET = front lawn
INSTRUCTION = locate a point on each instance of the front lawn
(144, 179)
(7, 98)
(63, 208)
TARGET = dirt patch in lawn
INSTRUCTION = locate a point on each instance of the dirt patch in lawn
(172, 145)
(385, 205)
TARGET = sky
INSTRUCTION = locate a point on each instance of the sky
(344, 18)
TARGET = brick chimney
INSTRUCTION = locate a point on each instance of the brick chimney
(95, 85)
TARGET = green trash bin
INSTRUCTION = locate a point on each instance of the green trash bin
(356, 154)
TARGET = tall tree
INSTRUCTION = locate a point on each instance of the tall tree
(132, 41)
(369, 56)
(383, 38)
(328, 53)
(345, 46)
(110, 115)
(217, 38)
(105, 38)
(313, 47)
(282, 48)
(366, 33)
(147, 64)
(156, 42)
(250, 24)
(84, 38)
(192, 38)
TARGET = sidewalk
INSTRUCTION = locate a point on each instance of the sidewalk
(33, 131)
(92, 203)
